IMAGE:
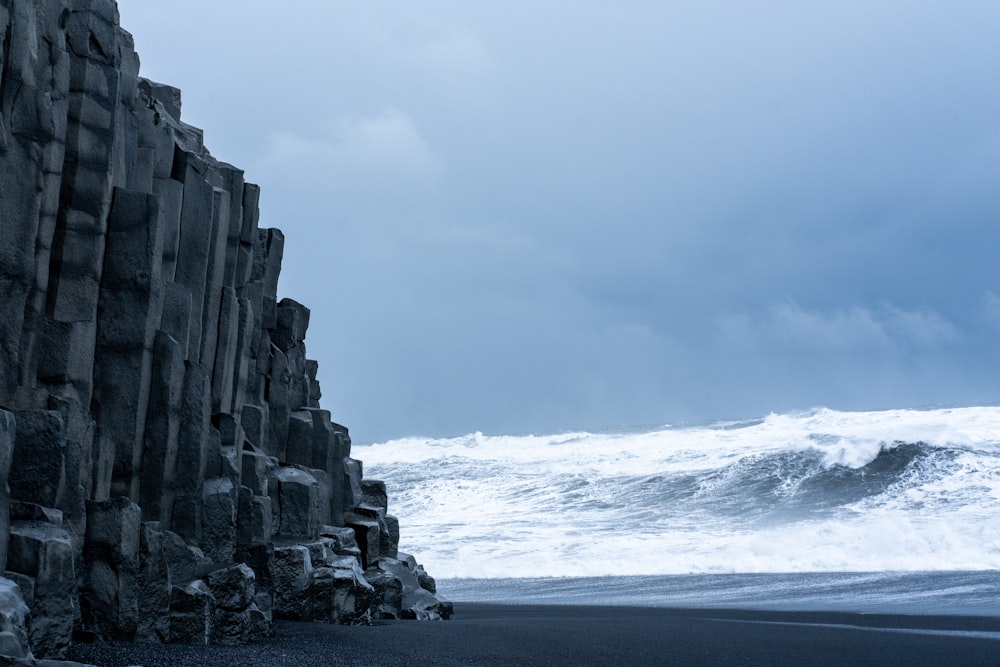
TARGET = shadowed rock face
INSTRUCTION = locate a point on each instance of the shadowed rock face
(165, 462)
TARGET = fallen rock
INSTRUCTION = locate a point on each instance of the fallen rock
(43, 554)
(13, 617)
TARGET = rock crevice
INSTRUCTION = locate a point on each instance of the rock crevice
(167, 471)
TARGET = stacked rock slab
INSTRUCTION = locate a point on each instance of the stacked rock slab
(167, 471)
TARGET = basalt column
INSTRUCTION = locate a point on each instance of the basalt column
(167, 472)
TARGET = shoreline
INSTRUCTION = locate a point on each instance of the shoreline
(506, 634)
(945, 593)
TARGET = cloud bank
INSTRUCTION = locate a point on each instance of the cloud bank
(527, 217)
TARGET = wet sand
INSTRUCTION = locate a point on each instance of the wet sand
(491, 634)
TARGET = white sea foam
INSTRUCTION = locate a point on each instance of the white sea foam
(812, 492)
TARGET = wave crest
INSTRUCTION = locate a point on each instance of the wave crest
(823, 490)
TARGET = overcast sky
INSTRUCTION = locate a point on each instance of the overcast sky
(516, 216)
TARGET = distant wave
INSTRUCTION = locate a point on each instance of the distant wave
(822, 491)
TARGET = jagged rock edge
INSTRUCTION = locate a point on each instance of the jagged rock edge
(168, 474)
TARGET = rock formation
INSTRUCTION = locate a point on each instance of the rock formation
(167, 471)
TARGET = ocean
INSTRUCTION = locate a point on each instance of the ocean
(895, 510)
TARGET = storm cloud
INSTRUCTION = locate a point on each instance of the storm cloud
(533, 216)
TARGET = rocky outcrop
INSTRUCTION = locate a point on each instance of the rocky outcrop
(167, 471)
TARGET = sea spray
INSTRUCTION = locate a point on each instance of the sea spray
(822, 491)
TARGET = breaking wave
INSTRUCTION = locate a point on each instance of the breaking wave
(823, 491)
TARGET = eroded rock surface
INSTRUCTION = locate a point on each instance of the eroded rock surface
(167, 471)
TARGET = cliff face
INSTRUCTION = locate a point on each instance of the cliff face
(171, 474)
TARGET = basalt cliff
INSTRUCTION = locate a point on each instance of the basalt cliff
(168, 474)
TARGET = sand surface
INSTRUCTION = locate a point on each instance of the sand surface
(490, 634)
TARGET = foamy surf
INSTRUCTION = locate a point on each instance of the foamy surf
(823, 491)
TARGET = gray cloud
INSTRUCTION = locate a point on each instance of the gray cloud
(533, 216)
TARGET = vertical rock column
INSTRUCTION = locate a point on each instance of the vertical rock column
(129, 312)
(97, 83)
(41, 555)
(163, 423)
(109, 595)
(34, 88)
(159, 420)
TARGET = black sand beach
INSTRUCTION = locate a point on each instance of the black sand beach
(487, 634)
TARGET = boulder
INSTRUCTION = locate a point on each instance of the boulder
(341, 596)
(417, 602)
(192, 613)
(43, 554)
(185, 563)
(238, 618)
(291, 574)
(13, 621)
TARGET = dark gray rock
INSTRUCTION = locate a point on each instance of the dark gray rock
(256, 469)
(185, 563)
(175, 317)
(232, 187)
(21, 510)
(153, 623)
(291, 574)
(127, 316)
(268, 252)
(373, 493)
(215, 272)
(417, 602)
(109, 593)
(220, 503)
(388, 591)
(44, 554)
(254, 421)
(366, 532)
(299, 448)
(277, 390)
(291, 323)
(168, 96)
(37, 465)
(185, 486)
(171, 195)
(312, 369)
(160, 422)
(353, 494)
(163, 422)
(234, 587)
(66, 352)
(259, 557)
(226, 349)
(8, 431)
(389, 538)
(342, 540)
(78, 469)
(295, 496)
(13, 621)
(241, 357)
(341, 595)
(195, 241)
(192, 613)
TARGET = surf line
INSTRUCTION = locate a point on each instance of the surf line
(969, 634)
